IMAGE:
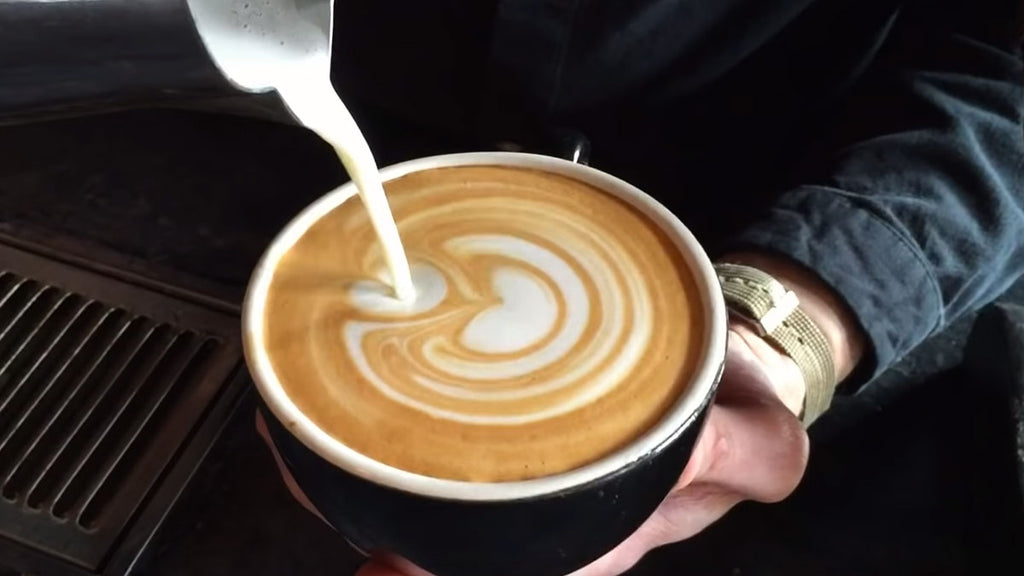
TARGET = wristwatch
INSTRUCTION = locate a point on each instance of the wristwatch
(773, 311)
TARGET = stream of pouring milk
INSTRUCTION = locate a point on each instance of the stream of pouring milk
(285, 45)
(312, 100)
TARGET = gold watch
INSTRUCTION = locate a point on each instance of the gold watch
(774, 312)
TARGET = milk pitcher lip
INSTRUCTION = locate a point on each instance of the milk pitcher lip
(256, 42)
(683, 414)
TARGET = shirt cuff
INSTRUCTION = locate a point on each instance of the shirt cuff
(878, 271)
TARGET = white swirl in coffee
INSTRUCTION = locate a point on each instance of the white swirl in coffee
(553, 323)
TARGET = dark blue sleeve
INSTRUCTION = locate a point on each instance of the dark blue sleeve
(915, 214)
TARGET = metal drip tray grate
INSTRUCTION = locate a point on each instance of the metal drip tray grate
(110, 392)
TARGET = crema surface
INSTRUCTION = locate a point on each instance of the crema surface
(552, 324)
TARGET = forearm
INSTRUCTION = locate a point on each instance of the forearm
(911, 217)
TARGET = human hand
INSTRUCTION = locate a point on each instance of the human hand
(753, 447)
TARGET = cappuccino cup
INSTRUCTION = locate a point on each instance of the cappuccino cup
(534, 404)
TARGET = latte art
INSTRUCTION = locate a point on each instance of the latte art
(518, 315)
(551, 325)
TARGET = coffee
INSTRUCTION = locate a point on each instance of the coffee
(552, 324)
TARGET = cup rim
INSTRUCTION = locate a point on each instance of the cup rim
(681, 415)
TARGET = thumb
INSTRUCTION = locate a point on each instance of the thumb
(754, 452)
(752, 443)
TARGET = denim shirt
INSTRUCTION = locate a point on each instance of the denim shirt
(877, 142)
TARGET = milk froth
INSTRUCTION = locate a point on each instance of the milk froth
(551, 324)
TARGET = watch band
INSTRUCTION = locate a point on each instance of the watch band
(775, 311)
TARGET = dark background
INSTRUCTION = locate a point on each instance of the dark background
(915, 475)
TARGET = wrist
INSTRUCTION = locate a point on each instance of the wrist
(784, 376)
(819, 301)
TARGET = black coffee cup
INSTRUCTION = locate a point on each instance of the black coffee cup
(548, 526)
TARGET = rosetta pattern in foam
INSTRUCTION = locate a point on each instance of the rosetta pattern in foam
(507, 328)
(552, 324)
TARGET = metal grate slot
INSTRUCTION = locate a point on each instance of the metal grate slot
(111, 390)
(78, 420)
(7, 280)
(27, 387)
(37, 382)
(88, 340)
(14, 288)
(27, 304)
(16, 375)
(183, 363)
(99, 428)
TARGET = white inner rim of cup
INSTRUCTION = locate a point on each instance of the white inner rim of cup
(713, 341)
